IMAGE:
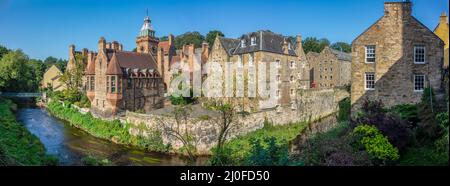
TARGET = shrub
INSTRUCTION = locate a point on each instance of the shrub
(407, 112)
(267, 151)
(376, 145)
(344, 110)
(390, 124)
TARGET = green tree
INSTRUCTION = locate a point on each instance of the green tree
(3, 51)
(211, 36)
(342, 46)
(15, 73)
(38, 69)
(189, 38)
(74, 77)
(60, 63)
(312, 44)
(164, 38)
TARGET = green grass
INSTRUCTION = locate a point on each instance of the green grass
(240, 147)
(106, 129)
(17, 145)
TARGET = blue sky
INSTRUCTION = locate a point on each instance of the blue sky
(47, 27)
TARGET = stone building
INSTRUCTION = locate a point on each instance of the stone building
(51, 79)
(330, 68)
(395, 59)
(118, 80)
(267, 47)
(441, 30)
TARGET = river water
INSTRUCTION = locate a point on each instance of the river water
(70, 144)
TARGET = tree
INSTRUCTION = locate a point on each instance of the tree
(225, 122)
(180, 129)
(211, 36)
(38, 68)
(164, 38)
(3, 51)
(342, 46)
(15, 73)
(73, 79)
(189, 38)
(312, 44)
(60, 63)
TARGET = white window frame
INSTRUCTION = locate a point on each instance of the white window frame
(278, 63)
(424, 54)
(365, 80)
(253, 41)
(424, 82)
(367, 53)
(293, 64)
(243, 45)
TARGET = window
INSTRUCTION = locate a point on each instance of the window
(253, 41)
(243, 43)
(331, 69)
(292, 92)
(92, 83)
(129, 83)
(331, 77)
(278, 78)
(370, 81)
(419, 54)
(292, 64)
(278, 93)
(250, 59)
(113, 84)
(419, 83)
(370, 54)
(292, 78)
(108, 83)
(278, 64)
(289, 45)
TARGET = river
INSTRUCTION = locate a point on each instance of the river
(70, 144)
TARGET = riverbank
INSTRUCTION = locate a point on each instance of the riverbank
(114, 131)
(17, 145)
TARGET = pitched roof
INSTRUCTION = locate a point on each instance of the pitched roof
(265, 41)
(342, 55)
(114, 67)
(229, 44)
(90, 69)
(132, 60)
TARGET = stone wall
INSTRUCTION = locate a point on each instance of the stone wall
(311, 105)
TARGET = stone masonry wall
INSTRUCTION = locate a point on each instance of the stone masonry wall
(311, 105)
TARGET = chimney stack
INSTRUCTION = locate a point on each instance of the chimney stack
(398, 9)
(171, 39)
(71, 50)
(101, 44)
(115, 45)
(443, 18)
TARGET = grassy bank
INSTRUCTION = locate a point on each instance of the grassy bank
(269, 143)
(17, 145)
(110, 130)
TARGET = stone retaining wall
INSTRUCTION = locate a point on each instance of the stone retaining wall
(311, 105)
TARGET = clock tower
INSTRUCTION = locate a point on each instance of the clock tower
(146, 42)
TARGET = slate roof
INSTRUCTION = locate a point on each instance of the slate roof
(131, 60)
(229, 44)
(265, 41)
(342, 55)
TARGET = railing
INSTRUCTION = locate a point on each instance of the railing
(21, 94)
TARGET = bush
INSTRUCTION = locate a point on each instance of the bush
(407, 112)
(398, 131)
(376, 145)
(93, 161)
(344, 110)
(267, 152)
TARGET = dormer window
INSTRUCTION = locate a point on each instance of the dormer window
(253, 41)
(243, 43)
(289, 45)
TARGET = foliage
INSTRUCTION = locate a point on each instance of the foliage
(267, 151)
(376, 145)
(312, 44)
(105, 129)
(16, 73)
(396, 129)
(442, 119)
(236, 150)
(332, 148)
(342, 46)
(407, 112)
(189, 38)
(73, 78)
(60, 63)
(83, 102)
(344, 110)
(211, 36)
(17, 145)
(3, 51)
